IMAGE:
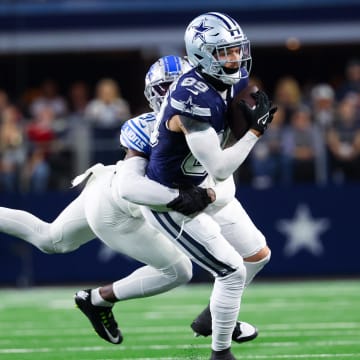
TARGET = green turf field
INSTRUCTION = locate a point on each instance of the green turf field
(296, 320)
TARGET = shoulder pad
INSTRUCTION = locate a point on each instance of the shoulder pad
(135, 133)
(192, 96)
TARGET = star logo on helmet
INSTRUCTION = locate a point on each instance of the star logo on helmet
(200, 30)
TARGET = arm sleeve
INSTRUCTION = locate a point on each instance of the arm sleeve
(219, 163)
(132, 184)
(224, 190)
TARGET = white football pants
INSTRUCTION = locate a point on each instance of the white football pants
(217, 239)
(120, 225)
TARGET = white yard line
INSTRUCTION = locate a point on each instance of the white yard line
(288, 344)
(299, 329)
(284, 356)
(353, 356)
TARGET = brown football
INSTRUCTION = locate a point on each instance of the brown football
(236, 120)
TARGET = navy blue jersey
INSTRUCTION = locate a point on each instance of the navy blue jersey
(171, 162)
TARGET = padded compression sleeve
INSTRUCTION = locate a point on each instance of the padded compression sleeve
(224, 190)
(219, 163)
(133, 186)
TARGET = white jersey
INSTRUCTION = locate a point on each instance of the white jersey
(135, 133)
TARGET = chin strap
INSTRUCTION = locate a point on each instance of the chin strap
(216, 83)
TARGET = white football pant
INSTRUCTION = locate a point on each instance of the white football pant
(120, 225)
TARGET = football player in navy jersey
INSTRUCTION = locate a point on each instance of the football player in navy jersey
(101, 211)
(188, 145)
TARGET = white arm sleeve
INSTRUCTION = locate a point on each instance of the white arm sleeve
(224, 190)
(219, 163)
(133, 186)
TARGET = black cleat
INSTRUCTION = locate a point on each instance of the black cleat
(222, 355)
(101, 317)
(243, 331)
(202, 324)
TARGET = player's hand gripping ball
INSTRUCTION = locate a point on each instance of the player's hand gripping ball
(251, 108)
(239, 124)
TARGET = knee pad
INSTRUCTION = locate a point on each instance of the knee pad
(236, 278)
(227, 290)
(181, 271)
(252, 268)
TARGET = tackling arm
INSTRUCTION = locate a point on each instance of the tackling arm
(133, 186)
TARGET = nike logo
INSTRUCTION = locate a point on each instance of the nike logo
(194, 92)
(263, 119)
(113, 339)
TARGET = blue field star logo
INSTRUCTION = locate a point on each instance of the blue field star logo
(200, 31)
(303, 232)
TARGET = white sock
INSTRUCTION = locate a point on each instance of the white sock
(97, 300)
(224, 306)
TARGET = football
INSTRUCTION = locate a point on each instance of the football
(236, 119)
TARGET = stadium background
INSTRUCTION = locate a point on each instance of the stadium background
(306, 225)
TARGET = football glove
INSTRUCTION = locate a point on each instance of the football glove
(190, 200)
(262, 114)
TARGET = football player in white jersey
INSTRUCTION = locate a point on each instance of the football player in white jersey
(100, 211)
(186, 148)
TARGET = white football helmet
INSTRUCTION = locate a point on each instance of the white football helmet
(160, 76)
(209, 33)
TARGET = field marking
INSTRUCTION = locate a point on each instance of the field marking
(284, 356)
(66, 304)
(29, 326)
(266, 331)
(273, 356)
(317, 326)
(327, 343)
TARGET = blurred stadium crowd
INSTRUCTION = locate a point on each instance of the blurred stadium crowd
(48, 137)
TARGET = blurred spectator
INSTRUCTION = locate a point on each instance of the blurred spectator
(288, 95)
(352, 79)
(4, 100)
(79, 132)
(41, 136)
(323, 106)
(49, 97)
(107, 113)
(78, 97)
(266, 157)
(109, 108)
(304, 150)
(12, 148)
(344, 142)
